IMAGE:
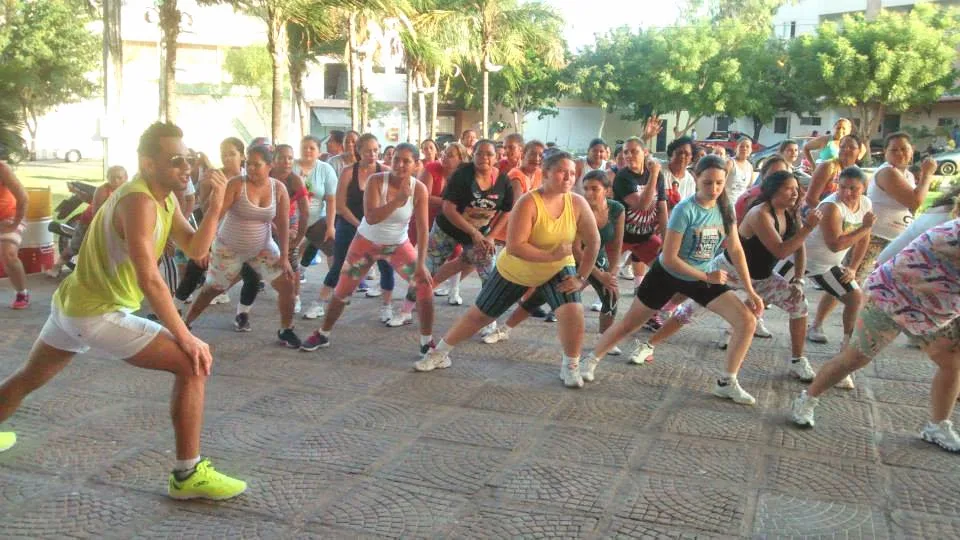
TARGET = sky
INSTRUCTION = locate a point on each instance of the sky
(588, 17)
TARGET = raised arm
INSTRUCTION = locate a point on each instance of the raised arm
(821, 176)
(588, 233)
(814, 145)
(893, 182)
(196, 243)
(831, 225)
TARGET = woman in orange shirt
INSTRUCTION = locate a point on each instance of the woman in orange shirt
(13, 206)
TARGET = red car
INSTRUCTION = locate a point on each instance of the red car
(728, 141)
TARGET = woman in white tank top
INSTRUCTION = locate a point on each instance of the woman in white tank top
(389, 201)
(252, 204)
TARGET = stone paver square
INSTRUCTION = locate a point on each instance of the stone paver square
(590, 446)
(788, 516)
(499, 522)
(849, 481)
(313, 406)
(350, 451)
(835, 441)
(431, 387)
(590, 409)
(684, 504)
(450, 467)
(926, 492)
(388, 415)
(910, 451)
(567, 484)
(483, 428)
(185, 522)
(518, 400)
(246, 435)
(909, 525)
(708, 459)
(66, 453)
(392, 510)
(744, 426)
(628, 528)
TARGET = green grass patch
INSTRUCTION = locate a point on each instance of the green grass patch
(56, 174)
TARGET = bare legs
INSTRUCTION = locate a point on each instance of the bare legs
(12, 265)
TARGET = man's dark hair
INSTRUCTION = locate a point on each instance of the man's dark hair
(150, 140)
(336, 136)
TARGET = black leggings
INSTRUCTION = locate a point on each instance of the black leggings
(194, 276)
(607, 299)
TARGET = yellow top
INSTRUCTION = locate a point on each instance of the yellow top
(105, 279)
(547, 234)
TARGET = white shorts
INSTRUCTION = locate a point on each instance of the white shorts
(118, 334)
(14, 237)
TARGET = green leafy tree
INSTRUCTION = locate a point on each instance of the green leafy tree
(252, 67)
(757, 15)
(47, 58)
(528, 87)
(891, 64)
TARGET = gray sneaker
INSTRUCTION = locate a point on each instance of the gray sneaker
(803, 408)
(942, 435)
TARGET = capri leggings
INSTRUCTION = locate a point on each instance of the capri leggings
(343, 237)
(363, 253)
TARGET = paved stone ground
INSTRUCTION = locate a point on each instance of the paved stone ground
(350, 442)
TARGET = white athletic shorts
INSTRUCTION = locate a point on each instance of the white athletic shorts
(118, 334)
(15, 236)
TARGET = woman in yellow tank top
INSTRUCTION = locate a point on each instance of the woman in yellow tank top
(543, 226)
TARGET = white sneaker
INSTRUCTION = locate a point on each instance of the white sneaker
(297, 306)
(373, 273)
(846, 383)
(374, 292)
(221, 299)
(942, 435)
(761, 330)
(724, 341)
(800, 368)
(433, 360)
(441, 291)
(386, 313)
(596, 306)
(641, 354)
(570, 373)
(615, 351)
(627, 272)
(191, 298)
(588, 367)
(454, 299)
(732, 390)
(488, 329)
(803, 408)
(816, 335)
(400, 319)
(315, 311)
(501, 334)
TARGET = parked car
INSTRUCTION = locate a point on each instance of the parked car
(757, 159)
(947, 162)
(728, 141)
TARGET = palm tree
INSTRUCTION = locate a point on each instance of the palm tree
(499, 32)
(170, 19)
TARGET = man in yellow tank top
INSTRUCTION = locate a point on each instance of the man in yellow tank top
(117, 267)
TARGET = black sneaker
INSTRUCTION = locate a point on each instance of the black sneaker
(551, 317)
(424, 349)
(242, 322)
(539, 312)
(314, 342)
(288, 338)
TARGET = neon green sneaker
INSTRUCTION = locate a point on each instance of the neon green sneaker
(205, 483)
(7, 440)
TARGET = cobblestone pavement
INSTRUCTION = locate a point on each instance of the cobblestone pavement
(350, 442)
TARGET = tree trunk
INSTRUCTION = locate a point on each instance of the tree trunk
(757, 127)
(410, 93)
(486, 104)
(422, 112)
(112, 82)
(354, 76)
(517, 122)
(30, 121)
(677, 132)
(170, 30)
(435, 107)
(275, 45)
(603, 122)
(299, 100)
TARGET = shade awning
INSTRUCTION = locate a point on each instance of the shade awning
(332, 117)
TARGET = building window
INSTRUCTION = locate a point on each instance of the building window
(810, 120)
(335, 81)
(793, 29)
(947, 122)
(780, 125)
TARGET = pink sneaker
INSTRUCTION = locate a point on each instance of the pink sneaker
(22, 301)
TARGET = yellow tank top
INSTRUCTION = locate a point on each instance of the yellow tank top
(105, 279)
(547, 233)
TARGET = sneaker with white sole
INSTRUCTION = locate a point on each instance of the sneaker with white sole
(588, 368)
(942, 435)
(761, 330)
(455, 299)
(846, 383)
(488, 329)
(615, 351)
(315, 311)
(501, 334)
(297, 305)
(800, 368)
(596, 306)
(220, 299)
(400, 319)
(434, 359)
(626, 272)
(570, 373)
(802, 409)
(386, 313)
(731, 389)
(816, 335)
(441, 291)
(641, 354)
(373, 292)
